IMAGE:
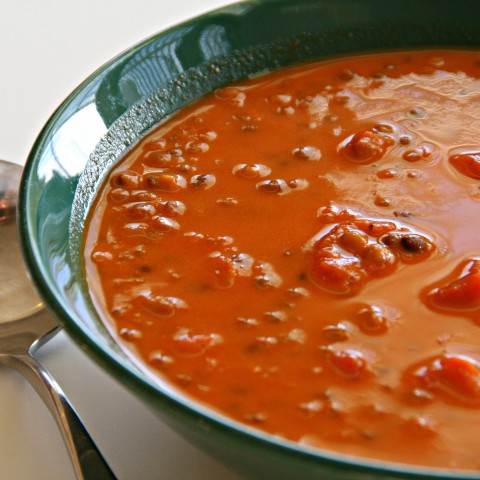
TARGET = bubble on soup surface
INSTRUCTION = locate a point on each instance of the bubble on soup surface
(308, 153)
(126, 180)
(164, 224)
(203, 182)
(165, 182)
(254, 170)
(275, 186)
(156, 303)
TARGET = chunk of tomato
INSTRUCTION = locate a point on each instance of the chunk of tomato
(461, 294)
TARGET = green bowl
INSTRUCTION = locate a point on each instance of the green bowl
(124, 99)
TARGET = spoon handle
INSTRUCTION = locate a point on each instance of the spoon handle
(87, 461)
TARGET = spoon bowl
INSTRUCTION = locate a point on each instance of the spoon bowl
(17, 295)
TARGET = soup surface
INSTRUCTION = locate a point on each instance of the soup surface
(300, 252)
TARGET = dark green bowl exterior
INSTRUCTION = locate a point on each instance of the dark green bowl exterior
(126, 98)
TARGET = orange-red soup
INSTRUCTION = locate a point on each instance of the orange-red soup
(301, 252)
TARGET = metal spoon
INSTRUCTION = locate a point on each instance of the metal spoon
(25, 325)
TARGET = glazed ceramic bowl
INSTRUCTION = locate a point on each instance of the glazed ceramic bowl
(124, 99)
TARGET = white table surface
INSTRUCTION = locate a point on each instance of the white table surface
(47, 48)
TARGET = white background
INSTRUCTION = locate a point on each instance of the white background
(47, 47)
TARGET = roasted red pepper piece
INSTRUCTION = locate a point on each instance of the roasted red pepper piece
(460, 294)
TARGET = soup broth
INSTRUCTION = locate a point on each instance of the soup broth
(300, 252)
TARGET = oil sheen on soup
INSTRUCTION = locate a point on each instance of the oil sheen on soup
(300, 251)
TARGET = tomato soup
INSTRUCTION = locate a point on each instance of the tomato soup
(301, 252)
